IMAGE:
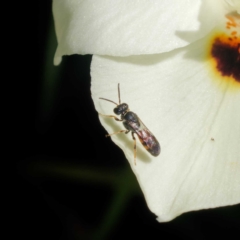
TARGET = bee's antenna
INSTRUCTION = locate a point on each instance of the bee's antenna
(119, 93)
(108, 100)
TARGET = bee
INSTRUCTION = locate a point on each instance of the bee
(133, 124)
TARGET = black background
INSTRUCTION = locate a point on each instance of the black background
(71, 178)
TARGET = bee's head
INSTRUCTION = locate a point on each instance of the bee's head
(121, 109)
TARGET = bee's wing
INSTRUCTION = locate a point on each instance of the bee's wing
(147, 139)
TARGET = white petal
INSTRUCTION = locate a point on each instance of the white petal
(233, 5)
(124, 28)
(195, 120)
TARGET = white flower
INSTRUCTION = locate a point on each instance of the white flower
(178, 65)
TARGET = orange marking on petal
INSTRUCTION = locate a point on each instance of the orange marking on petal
(232, 21)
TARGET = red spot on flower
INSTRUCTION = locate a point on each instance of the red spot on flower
(226, 52)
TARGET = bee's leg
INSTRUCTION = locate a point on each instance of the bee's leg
(125, 131)
(135, 148)
(112, 116)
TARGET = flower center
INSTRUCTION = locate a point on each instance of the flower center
(225, 52)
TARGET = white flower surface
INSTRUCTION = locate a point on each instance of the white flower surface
(165, 55)
(124, 28)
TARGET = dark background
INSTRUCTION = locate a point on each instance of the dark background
(72, 182)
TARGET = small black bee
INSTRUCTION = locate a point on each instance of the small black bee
(133, 123)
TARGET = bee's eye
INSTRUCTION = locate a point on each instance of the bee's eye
(117, 111)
